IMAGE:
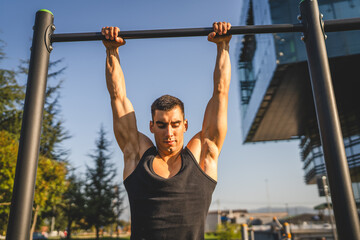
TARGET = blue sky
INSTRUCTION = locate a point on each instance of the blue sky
(182, 67)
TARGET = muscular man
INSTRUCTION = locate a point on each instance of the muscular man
(169, 186)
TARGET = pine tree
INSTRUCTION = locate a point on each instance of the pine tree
(11, 106)
(100, 187)
(53, 132)
(73, 202)
(11, 99)
(118, 206)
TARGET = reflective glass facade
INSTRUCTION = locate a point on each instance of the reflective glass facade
(257, 61)
(314, 165)
(290, 48)
(261, 53)
(261, 56)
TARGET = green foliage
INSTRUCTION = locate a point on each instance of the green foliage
(103, 238)
(11, 98)
(50, 179)
(52, 132)
(11, 92)
(50, 183)
(2, 54)
(100, 187)
(228, 231)
(11, 104)
(73, 203)
(8, 155)
(118, 204)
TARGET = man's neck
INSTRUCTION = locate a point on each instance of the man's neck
(169, 157)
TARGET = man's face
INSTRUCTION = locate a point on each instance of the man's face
(168, 128)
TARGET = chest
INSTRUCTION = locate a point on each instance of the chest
(166, 169)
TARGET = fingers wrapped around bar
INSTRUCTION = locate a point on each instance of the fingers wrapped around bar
(220, 32)
(112, 37)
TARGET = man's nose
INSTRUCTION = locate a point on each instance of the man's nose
(169, 130)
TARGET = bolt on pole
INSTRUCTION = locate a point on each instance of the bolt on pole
(347, 221)
(28, 154)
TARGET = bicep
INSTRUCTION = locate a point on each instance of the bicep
(124, 123)
(130, 140)
(215, 121)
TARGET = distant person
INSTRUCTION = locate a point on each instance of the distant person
(169, 186)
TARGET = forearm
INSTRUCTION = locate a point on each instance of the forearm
(115, 80)
(215, 119)
(124, 120)
(222, 71)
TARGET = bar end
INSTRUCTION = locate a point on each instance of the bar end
(45, 10)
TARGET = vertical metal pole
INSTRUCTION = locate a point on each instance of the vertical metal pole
(26, 167)
(332, 221)
(287, 232)
(345, 211)
(244, 232)
(251, 233)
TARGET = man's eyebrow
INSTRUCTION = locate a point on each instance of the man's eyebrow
(160, 122)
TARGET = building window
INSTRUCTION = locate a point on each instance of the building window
(247, 80)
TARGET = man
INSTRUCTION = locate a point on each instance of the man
(169, 186)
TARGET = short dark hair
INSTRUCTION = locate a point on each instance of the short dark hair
(166, 103)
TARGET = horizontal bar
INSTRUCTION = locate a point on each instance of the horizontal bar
(329, 25)
(184, 32)
(338, 25)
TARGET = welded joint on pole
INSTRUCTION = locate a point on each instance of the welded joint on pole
(303, 37)
(321, 20)
(322, 25)
(49, 31)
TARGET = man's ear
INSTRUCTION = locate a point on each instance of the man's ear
(186, 124)
(151, 126)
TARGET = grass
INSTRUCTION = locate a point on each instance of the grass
(102, 238)
(207, 237)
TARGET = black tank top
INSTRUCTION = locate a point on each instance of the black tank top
(173, 208)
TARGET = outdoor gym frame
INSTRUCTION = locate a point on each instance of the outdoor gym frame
(313, 28)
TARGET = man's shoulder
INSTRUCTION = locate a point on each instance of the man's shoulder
(145, 144)
(194, 146)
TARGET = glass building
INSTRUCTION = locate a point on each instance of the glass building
(276, 95)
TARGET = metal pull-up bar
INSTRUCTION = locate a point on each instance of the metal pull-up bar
(311, 26)
(329, 26)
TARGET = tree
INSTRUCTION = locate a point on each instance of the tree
(53, 133)
(11, 107)
(118, 206)
(11, 98)
(50, 179)
(8, 154)
(50, 186)
(100, 187)
(73, 202)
